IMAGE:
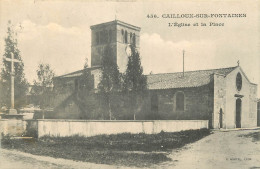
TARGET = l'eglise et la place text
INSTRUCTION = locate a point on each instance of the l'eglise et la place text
(176, 24)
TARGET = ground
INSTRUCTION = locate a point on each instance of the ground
(125, 149)
(232, 149)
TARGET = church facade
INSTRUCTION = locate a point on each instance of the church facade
(223, 96)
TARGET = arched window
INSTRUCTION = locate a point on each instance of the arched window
(123, 35)
(126, 37)
(239, 81)
(180, 101)
(131, 38)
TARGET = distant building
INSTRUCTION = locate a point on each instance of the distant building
(223, 96)
(34, 93)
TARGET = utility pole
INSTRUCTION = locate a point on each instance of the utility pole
(183, 62)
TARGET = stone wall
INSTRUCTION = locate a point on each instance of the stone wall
(12, 127)
(198, 103)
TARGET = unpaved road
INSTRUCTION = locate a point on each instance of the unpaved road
(219, 150)
(10, 159)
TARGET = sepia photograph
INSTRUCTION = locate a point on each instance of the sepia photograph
(129, 84)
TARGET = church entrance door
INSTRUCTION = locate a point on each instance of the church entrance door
(220, 118)
(238, 113)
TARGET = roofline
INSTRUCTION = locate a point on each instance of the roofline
(192, 71)
(116, 22)
(245, 75)
(78, 71)
(181, 87)
(219, 74)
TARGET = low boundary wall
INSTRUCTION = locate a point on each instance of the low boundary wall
(12, 127)
(62, 128)
(87, 128)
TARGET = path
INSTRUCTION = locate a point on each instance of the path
(11, 159)
(219, 150)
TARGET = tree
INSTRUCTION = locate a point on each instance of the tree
(85, 96)
(20, 83)
(110, 80)
(43, 85)
(135, 83)
(86, 80)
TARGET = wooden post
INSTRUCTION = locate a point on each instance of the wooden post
(183, 62)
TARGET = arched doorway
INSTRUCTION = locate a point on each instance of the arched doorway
(220, 118)
(238, 113)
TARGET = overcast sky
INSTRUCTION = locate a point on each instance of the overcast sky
(58, 33)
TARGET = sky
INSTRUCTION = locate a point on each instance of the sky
(58, 33)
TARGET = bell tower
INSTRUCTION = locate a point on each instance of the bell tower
(118, 35)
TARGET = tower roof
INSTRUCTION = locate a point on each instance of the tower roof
(115, 22)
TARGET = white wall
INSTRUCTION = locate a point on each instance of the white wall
(12, 127)
(91, 128)
(248, 90)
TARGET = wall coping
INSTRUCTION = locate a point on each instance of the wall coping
(12, 120)
(72, 120)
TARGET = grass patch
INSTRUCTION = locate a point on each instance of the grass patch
(121, 149)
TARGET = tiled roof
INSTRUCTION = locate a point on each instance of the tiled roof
(172, 80)
(76, 73)
(190, 79)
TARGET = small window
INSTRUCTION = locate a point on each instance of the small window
(123, 35)
(180, 101)
(126, 37)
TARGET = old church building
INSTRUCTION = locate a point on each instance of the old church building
(225, 96)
